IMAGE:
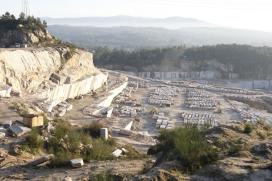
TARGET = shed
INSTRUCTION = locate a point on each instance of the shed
(32, 120)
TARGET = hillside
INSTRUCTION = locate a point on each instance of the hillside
(247, 61)
(117, 21)
(153, 37)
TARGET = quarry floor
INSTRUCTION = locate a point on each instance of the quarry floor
(78, 119)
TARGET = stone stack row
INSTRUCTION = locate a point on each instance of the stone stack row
(199, 99)
(129, 111)
(163, 96)
(196, 118)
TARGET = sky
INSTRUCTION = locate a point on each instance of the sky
(244, 14)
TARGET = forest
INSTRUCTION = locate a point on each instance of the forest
(247, 61)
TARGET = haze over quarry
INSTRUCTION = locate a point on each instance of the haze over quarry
(253, 14)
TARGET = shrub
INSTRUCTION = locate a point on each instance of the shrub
(101, 177)
(101, 150)
(93, 129)
(66, 143)
(132, 153)
(188, 145)
(34, 142)
(248, 128)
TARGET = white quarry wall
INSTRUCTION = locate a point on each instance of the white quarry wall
(251, 84)
(20, 68)
(66, 91)
(181, 75)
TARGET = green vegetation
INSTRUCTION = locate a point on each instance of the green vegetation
(248, 128)
(9, 22)
(34, 142)
(247, 61)
(67, 143)
(101, 177)
(139, 59)
(28, 26)
(101, 150)
(188, 145)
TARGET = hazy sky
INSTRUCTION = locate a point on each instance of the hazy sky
(246, 14)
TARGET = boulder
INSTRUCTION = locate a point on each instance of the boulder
(77, 163)
(117, 153)
(263, 149)
(2, 135)
(41, 160)
(17, 131)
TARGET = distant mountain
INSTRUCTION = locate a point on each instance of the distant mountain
(152, 37)
(117, 21)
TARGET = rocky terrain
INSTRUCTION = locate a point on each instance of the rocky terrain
(12, 37)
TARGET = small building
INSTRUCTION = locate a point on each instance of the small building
(32, 120)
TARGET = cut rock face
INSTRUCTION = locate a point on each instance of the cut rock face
(27, 69)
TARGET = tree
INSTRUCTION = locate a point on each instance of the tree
(7, 16)
(13, 17)
(44, 24)
(22, 17)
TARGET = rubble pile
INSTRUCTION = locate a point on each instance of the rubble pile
(163, 96)
(199, 99)
(196, 118)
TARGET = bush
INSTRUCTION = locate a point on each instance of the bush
(188, 145)
(34, 142)
(93, 129)
(101, 177)
(66, 143)
(101, 150)
(132, 153)
(248, 128)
